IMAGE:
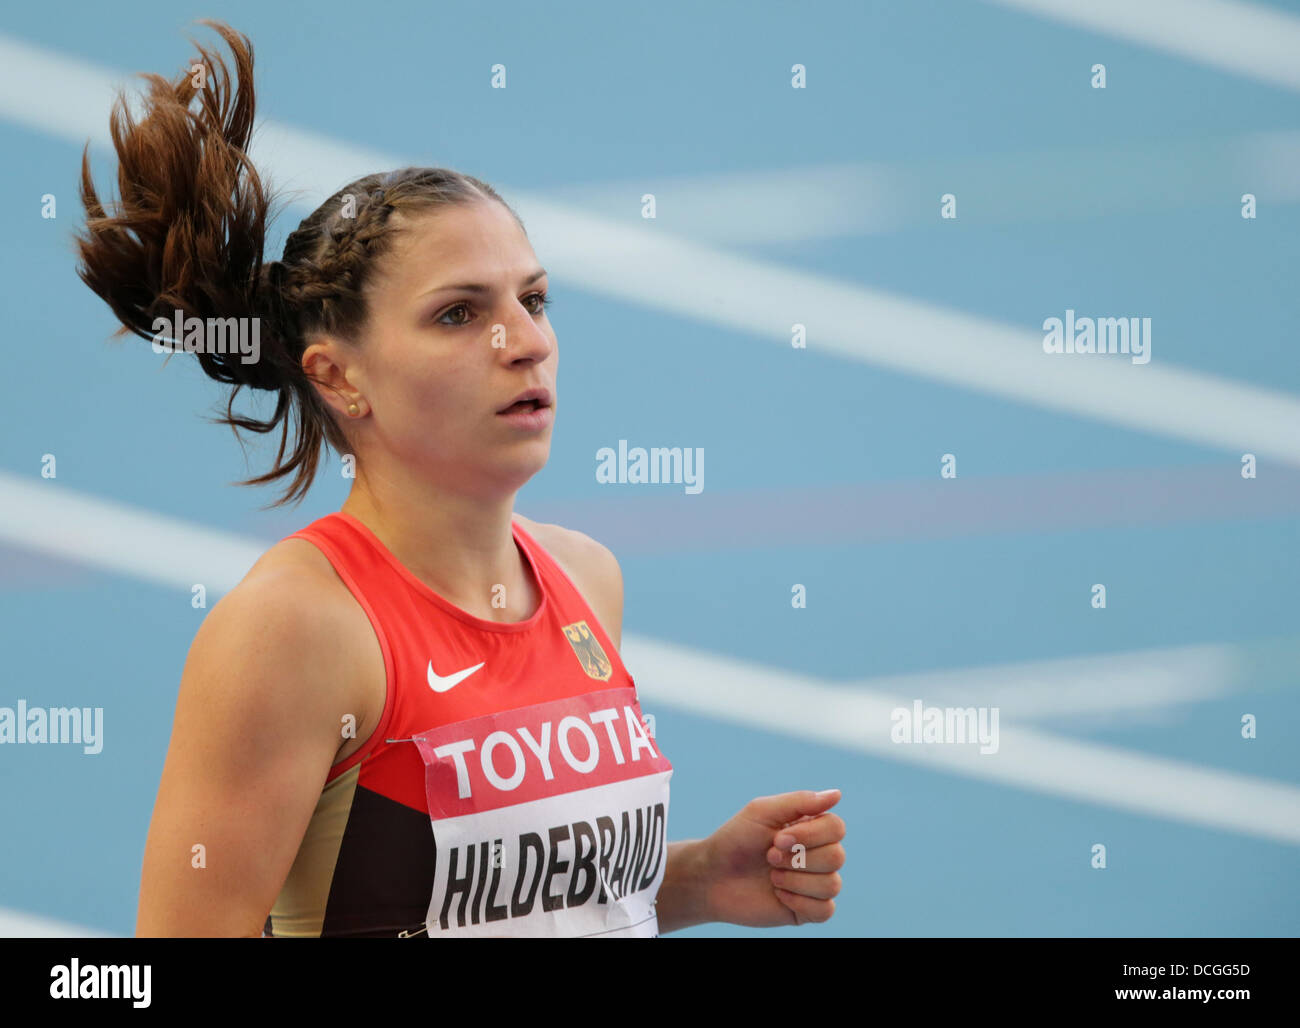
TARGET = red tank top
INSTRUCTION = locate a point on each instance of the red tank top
(510, 787)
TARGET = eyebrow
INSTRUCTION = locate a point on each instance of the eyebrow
(475, 287)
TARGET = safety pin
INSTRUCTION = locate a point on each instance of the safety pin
(411, 935)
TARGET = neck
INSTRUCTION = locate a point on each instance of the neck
(462, 547)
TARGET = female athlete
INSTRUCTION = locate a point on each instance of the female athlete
(410, 718)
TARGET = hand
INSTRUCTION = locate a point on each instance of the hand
(753, 872)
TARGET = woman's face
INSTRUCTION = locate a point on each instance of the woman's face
(440, 359)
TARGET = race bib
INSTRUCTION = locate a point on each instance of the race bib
(549, 820)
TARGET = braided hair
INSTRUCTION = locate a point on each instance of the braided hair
(188, 235)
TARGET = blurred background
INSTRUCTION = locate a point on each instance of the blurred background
(1124, 726)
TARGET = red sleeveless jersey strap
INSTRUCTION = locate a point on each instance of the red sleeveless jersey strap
(557, 582)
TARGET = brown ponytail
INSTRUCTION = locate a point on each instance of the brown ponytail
(188, 235)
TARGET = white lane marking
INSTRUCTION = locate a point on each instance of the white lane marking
(17, 924)
(785, 703)
(111, 536)
(1113, 683)
(1250, 40)
(636, 262)
(117, 538)
(1043, 186)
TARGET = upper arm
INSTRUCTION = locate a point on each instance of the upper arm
(257, 727)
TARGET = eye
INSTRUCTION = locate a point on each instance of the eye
(539, 300)
(450, 310)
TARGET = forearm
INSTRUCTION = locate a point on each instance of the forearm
(683, 898)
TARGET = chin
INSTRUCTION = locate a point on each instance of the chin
(529, 464)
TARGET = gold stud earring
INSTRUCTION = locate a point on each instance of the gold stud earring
(353, 410)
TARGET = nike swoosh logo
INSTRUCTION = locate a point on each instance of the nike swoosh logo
(441, 683)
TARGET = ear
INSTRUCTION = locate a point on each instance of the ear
(331, 366)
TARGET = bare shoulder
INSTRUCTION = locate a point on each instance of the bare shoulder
(297, 578)
(590, 564)
(291, 620)
(298, 584)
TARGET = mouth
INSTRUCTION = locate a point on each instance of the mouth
(532, 400)
(531, 416)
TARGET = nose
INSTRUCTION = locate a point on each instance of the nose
(527, 337)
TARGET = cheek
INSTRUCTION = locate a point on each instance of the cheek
(426, 404)
(430, 393)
